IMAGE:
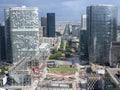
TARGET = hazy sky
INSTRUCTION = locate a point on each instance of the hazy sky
(64, 9)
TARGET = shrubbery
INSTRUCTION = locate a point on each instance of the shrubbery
(56, 55)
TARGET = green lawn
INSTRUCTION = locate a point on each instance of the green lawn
(62, 69)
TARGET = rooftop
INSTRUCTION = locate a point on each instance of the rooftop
(43, 45)
(103, 5)
(112, 72)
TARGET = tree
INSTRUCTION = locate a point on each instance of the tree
(67, 54)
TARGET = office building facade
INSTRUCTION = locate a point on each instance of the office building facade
(24, 32)
(115, 54)
(101, 26)
(84, 21)
(50, 24)
(44, 26)
(8, 47)
(83, 40)
(2, 44)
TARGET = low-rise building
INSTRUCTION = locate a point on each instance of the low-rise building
(44, 49)
(3, 80)
(115, 54)
(53, 41)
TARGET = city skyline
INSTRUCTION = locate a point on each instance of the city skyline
(65, 10)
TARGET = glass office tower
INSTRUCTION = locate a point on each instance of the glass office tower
(101, 26)
(50, 24)
(83, 40)
(24, 32)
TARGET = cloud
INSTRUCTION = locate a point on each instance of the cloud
(64, 9)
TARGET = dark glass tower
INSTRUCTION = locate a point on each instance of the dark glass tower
(101, 26)
(2, 43)
(8, 45)
(50, 24)
(84, 59)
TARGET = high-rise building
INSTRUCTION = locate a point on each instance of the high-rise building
(2, 43)
(50, 24)
(22, 24)
(83, 41)
(8, 47)
(102, 28)
(44, 26)
(84, 21)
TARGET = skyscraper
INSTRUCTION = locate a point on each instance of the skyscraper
(2, 43)
(24, 32)
(44, 26)
(83, 41)
(84, 21)
(101, 26)
(50, 24)
(8, 47)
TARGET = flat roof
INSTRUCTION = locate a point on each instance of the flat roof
(43, 45)
(102, 5)
(112, 72)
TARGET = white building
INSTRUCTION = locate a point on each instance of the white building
(44, 49)
(83, 21)
(23, 26)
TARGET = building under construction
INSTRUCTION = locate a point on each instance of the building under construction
(26, 72)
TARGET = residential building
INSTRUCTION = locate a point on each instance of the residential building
(75, 30)
(102, 29)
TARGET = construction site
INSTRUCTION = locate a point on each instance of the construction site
(26, 73)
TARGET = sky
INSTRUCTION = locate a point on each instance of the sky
(65, 10)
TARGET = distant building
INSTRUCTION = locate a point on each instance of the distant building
(66, 33)
(44, 26)
(50, 24)
(8, 36)
(2, 44)
(74, 42)
(83, 41)
(22, 31)
(75, 30)
(50, 40)
(84, 21)
(40, 32)
(44, 49)
(102, 29)
(115, 54)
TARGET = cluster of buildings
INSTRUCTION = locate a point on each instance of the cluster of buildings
(22, 34)
(98, 35)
